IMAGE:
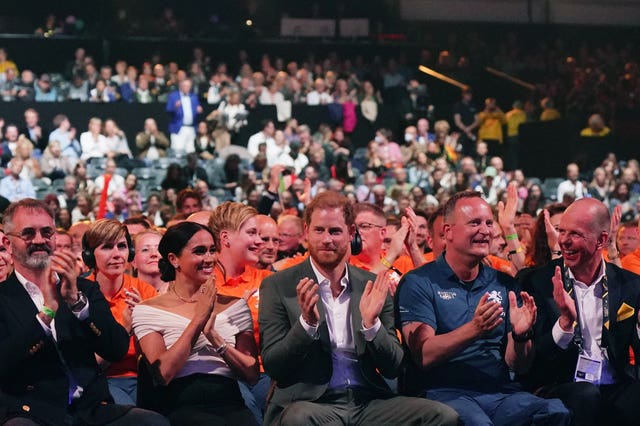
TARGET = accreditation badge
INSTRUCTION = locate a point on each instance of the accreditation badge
(588, 370)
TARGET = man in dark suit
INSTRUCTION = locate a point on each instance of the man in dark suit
(33, 130)
(183, 108)
(603, 387)
(327, 334)
(52, 324)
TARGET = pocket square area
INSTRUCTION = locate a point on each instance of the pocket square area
(625, 311)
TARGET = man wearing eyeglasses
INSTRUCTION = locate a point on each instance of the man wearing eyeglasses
(52, 324)
(371, 223)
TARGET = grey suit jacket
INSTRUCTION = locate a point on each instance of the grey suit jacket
(301, 365)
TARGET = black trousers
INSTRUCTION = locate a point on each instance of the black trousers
(592, 405)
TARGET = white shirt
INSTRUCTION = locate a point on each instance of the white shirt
(317, 98)
(567, 187)
(187, 111)
(298, 164)
(256, 139)
(93, 147)
(590, 317)
(337, 314)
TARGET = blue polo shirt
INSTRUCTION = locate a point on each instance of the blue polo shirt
(434, 295)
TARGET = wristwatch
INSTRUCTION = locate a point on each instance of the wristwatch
(80, 303)
(522, 338)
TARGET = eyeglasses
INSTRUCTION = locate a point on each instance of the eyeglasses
(29, 234)
(367, 226)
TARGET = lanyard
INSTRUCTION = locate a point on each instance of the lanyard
(568, 283)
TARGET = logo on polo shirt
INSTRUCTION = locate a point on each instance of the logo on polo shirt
(447, 295)
(495, 296)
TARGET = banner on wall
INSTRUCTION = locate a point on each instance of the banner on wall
(292, 27)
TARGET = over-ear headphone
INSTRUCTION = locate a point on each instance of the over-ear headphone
(356, 243)
(89, 258)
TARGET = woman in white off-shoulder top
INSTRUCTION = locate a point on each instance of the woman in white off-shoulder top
(197, 343)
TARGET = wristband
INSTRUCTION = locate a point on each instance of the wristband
(556, 253)
(386, 263)
(48, 312)
(522, 338)
(516, 251)
(221, 349)
(511, 237)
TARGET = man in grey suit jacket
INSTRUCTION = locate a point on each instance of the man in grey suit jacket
(327, 334)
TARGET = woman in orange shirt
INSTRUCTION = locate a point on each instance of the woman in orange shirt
(235, 230)
(107, 248)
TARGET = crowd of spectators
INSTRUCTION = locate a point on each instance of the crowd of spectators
(399, 182)
(469, 148)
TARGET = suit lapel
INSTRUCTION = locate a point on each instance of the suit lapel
(21, 302)
(323, 330)
(614, 302)
(357, 288)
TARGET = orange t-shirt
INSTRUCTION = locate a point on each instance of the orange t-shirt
(293, 261)
(128, 366)
(429, 257)
(502, 265)
(250, 279)
(403, 263)
(631, 262)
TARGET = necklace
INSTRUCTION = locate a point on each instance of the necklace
(173, 287)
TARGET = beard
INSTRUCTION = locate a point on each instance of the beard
(33, 260)
(328, 257)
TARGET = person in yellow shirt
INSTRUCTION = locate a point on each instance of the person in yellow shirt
(549, 112)
(491, 121)
(596, 127)
(5, 63)
(515, 117)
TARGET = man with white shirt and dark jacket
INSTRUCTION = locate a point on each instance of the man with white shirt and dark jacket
(52, 323)
(583, 351)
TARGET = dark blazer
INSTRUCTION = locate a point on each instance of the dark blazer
(175, 113)
(33, 381)
(302, 366)
(553, 365)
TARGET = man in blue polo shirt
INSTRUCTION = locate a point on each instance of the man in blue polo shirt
(465, 331)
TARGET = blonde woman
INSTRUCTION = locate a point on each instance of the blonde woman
(238, 243)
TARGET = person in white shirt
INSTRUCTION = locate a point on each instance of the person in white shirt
(93, 143)
(588, 316)
(116, 183)
(264, 136)
(319, 96)
(116, 139)
(572, 187)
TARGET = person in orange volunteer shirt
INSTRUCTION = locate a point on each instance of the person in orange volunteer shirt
(106, 249)
(371, 224)
(238, 243)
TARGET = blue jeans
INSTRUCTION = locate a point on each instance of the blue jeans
(123, 389)
(255, 397)
(510, 408)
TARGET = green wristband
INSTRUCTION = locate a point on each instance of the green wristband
(48, 312)
(511, 237)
